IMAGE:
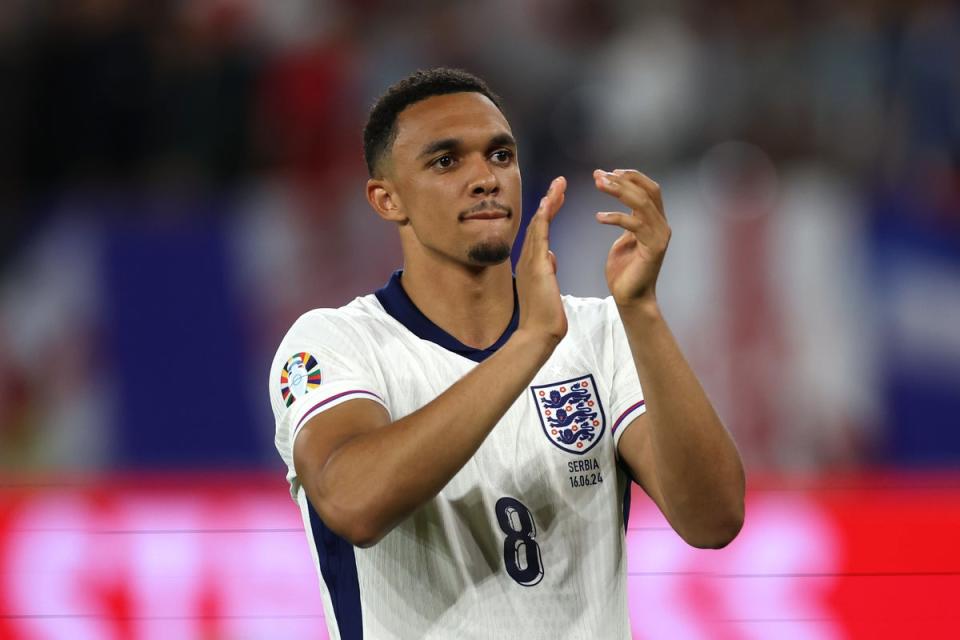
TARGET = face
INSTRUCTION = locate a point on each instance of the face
(453, 180)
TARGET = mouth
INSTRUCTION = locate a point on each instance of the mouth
(487, 211)
(487, 215)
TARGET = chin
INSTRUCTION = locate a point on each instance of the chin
(489, 253)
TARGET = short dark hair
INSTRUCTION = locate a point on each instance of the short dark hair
(380, 130)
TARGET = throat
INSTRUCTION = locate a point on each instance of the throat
(475, 309)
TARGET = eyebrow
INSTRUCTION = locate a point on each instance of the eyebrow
(450, 144)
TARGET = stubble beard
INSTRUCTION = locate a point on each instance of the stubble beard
(488, 253)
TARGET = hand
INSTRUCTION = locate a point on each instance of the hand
(541, 310)
(635, 258)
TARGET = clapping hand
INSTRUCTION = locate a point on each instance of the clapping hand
(636, 256)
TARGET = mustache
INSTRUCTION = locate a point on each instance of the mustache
(487, 205)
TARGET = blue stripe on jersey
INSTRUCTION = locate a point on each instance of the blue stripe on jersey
(626, 504)
(398, 304)
(338, 566)
(626, 492)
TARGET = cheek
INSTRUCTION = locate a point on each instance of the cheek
(514, 189)
(420, 198)
(432, 192)
(431, 209)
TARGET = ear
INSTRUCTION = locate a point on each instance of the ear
(385, 201)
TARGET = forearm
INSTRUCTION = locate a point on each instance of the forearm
(382, 476)
(698, 469)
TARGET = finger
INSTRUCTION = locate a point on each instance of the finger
(536, 237)
(646, 183)
(652, 234)
(627, 193)
(538, 230)
(630, 188)
(634, 224)
(555, 196)
(631, 195)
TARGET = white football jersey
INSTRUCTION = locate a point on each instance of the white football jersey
(527, 539)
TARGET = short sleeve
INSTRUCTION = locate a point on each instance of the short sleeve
(321, 363)
(626, 396)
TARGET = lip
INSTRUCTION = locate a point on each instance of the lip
(487, 215)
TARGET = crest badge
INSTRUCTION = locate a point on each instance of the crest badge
(299, 376)
(570, 413)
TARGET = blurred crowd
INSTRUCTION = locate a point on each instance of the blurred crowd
(153, 152)
(203, 94)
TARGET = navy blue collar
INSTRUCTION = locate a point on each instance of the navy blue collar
(398, 304)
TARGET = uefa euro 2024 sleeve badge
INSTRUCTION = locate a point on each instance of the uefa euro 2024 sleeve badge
(570, 413)
(299, 376)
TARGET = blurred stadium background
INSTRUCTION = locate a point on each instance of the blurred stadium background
(179, 180)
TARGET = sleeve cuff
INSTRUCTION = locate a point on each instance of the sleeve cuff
(625, 418)
(314, 404)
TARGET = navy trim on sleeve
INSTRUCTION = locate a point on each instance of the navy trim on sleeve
(338, 566)
(627, 493)
(398, 304)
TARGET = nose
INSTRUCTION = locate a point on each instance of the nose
(484, 181)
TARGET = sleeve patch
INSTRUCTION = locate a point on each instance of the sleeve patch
(298, 377)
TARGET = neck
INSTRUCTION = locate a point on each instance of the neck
(473, 304)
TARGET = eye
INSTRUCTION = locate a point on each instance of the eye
(503, 156)
(444, 162)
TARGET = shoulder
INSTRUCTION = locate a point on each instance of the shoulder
(327, 344)
(593, 323)
(580, 303)
(589, 312)
(346, 334)
(362, 315)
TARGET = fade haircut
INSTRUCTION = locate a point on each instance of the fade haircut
(381, 128)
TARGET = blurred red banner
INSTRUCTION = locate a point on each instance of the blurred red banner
(193, 556)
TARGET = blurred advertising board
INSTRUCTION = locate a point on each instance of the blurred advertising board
(226, 557)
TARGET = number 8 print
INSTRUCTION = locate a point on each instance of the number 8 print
(521, 554)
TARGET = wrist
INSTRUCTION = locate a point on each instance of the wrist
(539, 345)
(646, 308)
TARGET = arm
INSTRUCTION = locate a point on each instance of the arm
(364, 474)
(678, 450)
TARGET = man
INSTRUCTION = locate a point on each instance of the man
(462, 458)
